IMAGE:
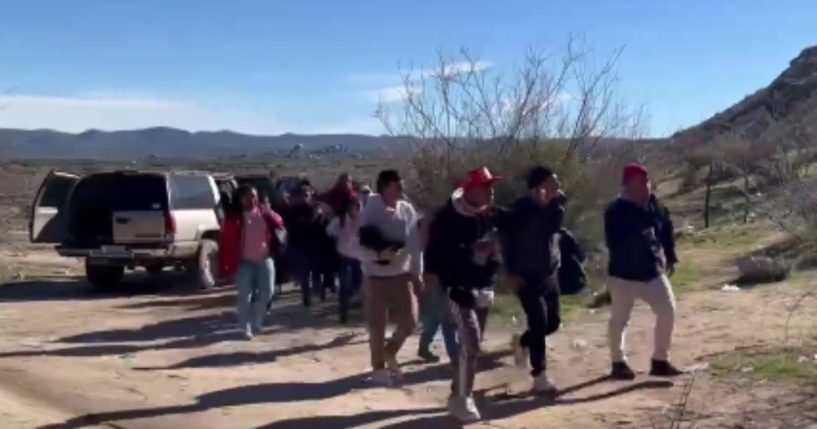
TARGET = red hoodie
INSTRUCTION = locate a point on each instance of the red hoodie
(229, 254)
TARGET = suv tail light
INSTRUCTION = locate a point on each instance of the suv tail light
(170, 225)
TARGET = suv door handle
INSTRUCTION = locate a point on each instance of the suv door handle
(122, 220)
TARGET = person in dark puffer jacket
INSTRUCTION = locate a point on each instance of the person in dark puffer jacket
(639, 236)
(530, 247)
(463, 254)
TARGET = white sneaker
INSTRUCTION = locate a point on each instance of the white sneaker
(381, 377)
(463, 409)
(520, 354)
(394, 368)
(543, 386)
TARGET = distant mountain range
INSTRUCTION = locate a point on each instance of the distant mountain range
(790, 98)
(163, 142)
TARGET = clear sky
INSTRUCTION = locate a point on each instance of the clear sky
(275, 66)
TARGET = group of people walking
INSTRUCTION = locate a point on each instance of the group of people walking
(449, 263)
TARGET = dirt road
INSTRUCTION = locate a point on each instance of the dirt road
(161, 355)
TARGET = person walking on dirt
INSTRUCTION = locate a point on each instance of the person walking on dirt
(249, 239)
(531, 257)
(639, 236)
(434, 312)
(300, 220)
(343, 228)
(464, 255)
(389, 249)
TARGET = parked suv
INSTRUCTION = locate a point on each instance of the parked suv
(128, 219)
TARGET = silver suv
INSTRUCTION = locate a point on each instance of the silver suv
(128, 219)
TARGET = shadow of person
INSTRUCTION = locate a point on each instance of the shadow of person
(222, 360)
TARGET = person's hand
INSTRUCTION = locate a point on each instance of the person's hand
(487, 247)
(418, 283)
(388, 254)
(513, 283)
(671, 269)
(430, 281)
(553, 196)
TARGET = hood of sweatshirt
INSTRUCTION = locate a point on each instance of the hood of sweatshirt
(462, 206)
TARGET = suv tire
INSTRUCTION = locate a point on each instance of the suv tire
(205, 267)
(103, 277)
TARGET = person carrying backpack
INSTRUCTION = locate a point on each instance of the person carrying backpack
(250, 236)
(531, 256)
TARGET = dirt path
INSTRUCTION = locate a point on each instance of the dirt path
(72, 359)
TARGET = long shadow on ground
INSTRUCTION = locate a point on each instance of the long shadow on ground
(222, 360)
(491, 409)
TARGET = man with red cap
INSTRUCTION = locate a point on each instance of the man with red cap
(639, 236)
(461, 252)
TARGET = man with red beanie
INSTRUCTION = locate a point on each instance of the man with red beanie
(639, 236)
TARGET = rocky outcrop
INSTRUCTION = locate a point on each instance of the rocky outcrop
(791, 95)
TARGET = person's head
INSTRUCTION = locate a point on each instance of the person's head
(364, 193)
(542, 181)
(478, 187)
(345, 179)
(304, 191)
(247, 197)
(635, 179)
(390, 186)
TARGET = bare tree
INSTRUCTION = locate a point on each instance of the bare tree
(554, 108)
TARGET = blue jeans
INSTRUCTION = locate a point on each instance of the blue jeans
(350, 277)
(434, 315)
(255, 282)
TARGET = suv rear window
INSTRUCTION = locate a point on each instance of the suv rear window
(192, 193)
(123, 192)
(262, 185)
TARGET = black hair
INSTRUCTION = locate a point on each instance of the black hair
(538, 175)
(236, 203)
(346, 208)
(386, 178)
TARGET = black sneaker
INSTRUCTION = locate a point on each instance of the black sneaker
(662, 368)
(622, 371)
(427, 356)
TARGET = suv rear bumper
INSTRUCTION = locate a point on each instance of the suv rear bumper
(131, 253)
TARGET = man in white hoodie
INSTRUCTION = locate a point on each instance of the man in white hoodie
(391, 255)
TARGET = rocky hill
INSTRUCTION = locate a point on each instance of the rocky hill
(790, 98)
(162, 142)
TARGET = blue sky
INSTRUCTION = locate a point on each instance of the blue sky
(305, 66)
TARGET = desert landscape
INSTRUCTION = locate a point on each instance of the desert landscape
(160, 351)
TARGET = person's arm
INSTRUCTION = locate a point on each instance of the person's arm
(413, 244)
(616, 230)
(555, 214)
(333, 229)
(668, 237)
(366, 218)
(508, 224)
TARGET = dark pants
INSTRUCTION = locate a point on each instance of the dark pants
(306, 275)
(350, 278)
(539, 297)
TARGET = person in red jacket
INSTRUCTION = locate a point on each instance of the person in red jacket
(247, 244)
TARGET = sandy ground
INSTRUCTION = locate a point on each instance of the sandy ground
(161, 355)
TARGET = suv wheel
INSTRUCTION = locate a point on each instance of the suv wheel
(103, 277)
(205, 268)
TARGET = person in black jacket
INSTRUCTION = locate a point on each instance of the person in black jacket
(639, 236)
(462, 253)
(531, 255)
